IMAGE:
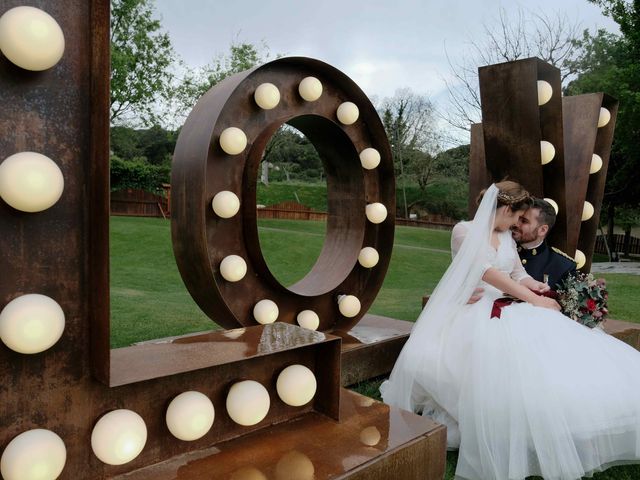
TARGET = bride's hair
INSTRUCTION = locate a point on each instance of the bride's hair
(512, 194)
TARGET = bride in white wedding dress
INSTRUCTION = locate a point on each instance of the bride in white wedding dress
(529, 393)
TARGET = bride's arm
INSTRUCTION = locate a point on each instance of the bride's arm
(504, 283)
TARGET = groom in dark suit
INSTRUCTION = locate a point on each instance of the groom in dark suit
(544, 263)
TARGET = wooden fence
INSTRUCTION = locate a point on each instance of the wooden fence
(138, 203)
(618, 244)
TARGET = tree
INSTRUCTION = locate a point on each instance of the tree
(410, 124)
(241, 56)
(505, 39)
(141, 59)
(610, 63)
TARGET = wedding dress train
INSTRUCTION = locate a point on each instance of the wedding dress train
(529, 393)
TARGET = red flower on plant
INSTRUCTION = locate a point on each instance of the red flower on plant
(591, 304)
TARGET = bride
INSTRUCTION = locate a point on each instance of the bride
(529, 393)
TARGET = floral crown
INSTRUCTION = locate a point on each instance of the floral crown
(507, 199)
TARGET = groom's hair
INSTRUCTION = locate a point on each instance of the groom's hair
(546, 213)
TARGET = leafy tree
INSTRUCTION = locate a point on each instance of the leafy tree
(141, 59)
(410, 124)
(611, 63)
(241, 56)
(139, 174)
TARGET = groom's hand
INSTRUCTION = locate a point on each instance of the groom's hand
(540, 287)
(475, 296)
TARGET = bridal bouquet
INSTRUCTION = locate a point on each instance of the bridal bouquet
(584, 299)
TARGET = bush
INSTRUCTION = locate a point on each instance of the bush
(138, 174)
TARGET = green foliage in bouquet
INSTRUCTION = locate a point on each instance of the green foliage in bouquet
(584, 299)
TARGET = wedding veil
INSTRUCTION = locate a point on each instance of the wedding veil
(420, 362)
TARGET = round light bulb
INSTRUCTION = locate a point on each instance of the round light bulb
(295, 465)
(225, 204)
(545, 91)
(553, 203)
(370, 436)
(296, 385)
(308, 319)
(233, 140)
(119, 437)
(376, 212)
(587, 211)
(30, 182)
(248, 402)
(604, 117)
(310, 89)
(267, 96)
(190, 416)
(547, 152)
(248, 473)
(580, 259)
(31, 323)
(349, 305)
(370, 158)
(348, 113)
(233, 268)
(31, 38)
(368, 257)
(596, 163)
(265, 311)
(34, 455)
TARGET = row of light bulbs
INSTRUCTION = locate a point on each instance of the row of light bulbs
(226, 204)
(119, 436)
(548, 152)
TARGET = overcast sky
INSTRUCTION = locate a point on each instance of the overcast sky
(381, 45)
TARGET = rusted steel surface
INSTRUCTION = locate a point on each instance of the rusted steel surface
(374, 441)
(597, 181)
(479, 176)
(513, 125)
(201, 169)
(63, 252)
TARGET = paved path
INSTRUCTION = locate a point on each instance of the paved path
(632, 268)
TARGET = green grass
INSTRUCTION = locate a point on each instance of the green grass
(150, 301)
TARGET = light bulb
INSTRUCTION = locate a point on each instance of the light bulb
(296, 385)
(547, 152)
(376, 212)
(349, 305)
(225, 204)
(308, 319)
(265, 311)
(118, 437)
(248, 402)
(310, 89)
(31, 323)
(370, 158)
(545, 91)
(587, 211)
(553, 203)
(34, 455)
(368, 257)
(596, 163)
(580, 259)
(267, 96)
(233, 268)
(348, 113)
(190, 416)
(31, 38)
(30, 182)
(604, 117)
(233, 140)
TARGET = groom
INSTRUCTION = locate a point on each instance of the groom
(543, 263)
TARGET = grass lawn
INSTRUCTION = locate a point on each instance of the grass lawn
(149, 300)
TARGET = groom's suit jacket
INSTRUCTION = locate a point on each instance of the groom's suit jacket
(544, 260)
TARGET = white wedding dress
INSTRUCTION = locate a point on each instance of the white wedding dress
(529, 393)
